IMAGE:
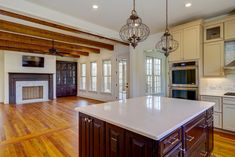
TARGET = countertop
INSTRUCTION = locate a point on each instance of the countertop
(150, 116)
(217, 94)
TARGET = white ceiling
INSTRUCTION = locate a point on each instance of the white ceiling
(113, 13)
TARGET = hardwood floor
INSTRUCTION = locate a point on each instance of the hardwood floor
(46, 129)
(49, 129)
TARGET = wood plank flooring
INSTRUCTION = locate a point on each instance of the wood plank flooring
(49, 129)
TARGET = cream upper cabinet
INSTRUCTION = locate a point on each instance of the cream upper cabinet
(213, 59)
(214, 32)
(191, 43)
(229, 29)
(177, 55)
(189, 39)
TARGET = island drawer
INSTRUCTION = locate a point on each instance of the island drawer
(169, 142)
(194, 130)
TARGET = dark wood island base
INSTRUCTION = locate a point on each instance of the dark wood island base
(101, 139)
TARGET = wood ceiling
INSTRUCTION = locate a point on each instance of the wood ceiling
(25, 38)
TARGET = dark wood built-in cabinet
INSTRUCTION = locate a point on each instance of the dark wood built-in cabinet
(66, 78)
(101, 139)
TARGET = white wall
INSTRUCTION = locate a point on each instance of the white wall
(137, 69)
(13, 64)
(105, 54)
(1, 76)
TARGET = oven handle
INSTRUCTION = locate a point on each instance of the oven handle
(184, 68)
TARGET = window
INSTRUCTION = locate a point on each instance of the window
(93, 76)
(83, 77)
(107, 76)
(153, 75)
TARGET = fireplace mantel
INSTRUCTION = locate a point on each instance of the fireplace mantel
(14, 77)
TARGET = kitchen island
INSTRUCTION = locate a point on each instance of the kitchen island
(146, 127)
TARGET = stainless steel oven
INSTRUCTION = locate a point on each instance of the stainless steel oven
(184, 93)
(184, 80)
(184, 74)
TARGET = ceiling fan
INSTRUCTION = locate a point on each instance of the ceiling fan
(53, 50)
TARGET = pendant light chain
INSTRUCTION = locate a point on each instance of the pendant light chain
(167, 15)
(134, 5)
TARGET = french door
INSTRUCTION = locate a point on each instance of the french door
(123, 85)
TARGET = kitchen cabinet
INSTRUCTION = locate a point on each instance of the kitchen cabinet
(92, 135)
(191, 139)
(189, 38)
(191, 43)
(230, 29)
(213, 60)
(217, 109)
(216, 100)
(218, 120)
(214, 32)
(114, 141)
(229, 114)
(138, 146)
(177, 55)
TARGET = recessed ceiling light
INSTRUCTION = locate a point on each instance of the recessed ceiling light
(187, 5)
(95, 6)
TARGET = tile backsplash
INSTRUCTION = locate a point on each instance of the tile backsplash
(225, 84)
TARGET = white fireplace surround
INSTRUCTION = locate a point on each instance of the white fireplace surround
(19, 91)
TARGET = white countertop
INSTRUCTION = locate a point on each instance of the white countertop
(217, 94)
(153, 117)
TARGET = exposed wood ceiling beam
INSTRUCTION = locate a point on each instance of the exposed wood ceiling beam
(54, 25)
(38, 32)
(33, 51)
(43, 49)
(43, 42)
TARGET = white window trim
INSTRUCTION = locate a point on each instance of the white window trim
(105, 92)
(80, 88)
(91, 90)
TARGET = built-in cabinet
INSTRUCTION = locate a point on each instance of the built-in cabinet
(101, 139)
(229, 114)
(189, 38)
(230, 30)
(213, 59)
(214, 32)
(217, 109)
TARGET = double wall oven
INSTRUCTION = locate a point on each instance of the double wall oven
(184, 80)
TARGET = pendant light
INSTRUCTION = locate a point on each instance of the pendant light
(134, 31)
(167, 44)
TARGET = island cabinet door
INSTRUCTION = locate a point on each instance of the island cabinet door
(194, 130)
(91, 137)
(84, 136)
(114, 141)
(139, 146)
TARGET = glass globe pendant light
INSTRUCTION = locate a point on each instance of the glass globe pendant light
(167, 44)
(134, 31)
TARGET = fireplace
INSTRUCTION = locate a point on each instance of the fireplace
(29, 88)
(32, 92)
